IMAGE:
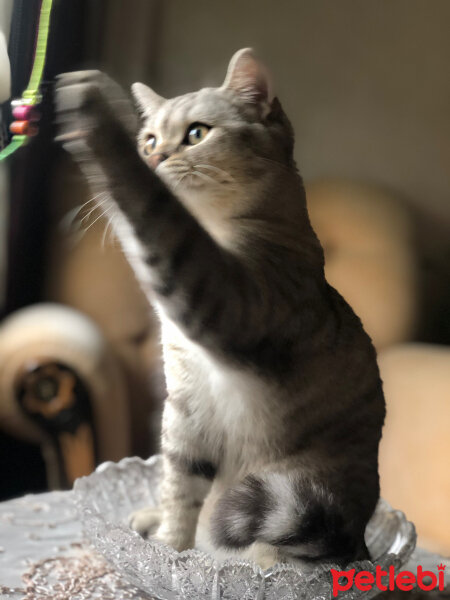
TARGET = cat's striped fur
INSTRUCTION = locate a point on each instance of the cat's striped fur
(275, 404)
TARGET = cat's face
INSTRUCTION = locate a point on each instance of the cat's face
(216, 148)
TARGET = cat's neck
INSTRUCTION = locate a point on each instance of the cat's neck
(229, 215)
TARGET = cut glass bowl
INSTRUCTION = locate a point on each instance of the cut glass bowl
(106, 498)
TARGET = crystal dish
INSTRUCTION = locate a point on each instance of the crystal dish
(105, 498)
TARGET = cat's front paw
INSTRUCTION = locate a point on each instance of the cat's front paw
(148, 523)
(177, 538)
(264, 555)
(145, 520)
(89, 104)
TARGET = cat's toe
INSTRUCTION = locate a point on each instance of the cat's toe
(145, 520)
(264, 555)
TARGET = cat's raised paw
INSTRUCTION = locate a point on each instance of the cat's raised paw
(83, 99)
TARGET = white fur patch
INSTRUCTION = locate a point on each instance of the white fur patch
(281, 520)
(133, 251)
(231, 404)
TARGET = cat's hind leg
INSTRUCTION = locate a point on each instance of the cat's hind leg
(302, 517)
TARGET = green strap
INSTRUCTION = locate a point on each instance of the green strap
(16, 142)
(31, 94)
(32, 91)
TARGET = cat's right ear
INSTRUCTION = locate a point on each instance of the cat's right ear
(248, 77)
(146, 99)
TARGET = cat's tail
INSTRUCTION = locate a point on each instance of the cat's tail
(300, 516)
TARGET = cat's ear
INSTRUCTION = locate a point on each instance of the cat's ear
(248, 77)
(146, 99)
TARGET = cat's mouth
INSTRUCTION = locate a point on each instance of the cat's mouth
(195, 177)
(177, 182)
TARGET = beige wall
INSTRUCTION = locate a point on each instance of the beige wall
(366, 83)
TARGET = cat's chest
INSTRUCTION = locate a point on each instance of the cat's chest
(234, 405)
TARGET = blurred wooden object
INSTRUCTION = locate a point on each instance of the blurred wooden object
(415, 449)
(62, 387)
(367, 236)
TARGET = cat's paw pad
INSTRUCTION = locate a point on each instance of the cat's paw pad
(145, 520)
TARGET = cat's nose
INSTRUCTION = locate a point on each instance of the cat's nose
(157, 159)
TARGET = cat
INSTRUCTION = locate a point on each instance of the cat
(275, 405)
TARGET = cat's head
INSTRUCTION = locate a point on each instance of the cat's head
(221, 150)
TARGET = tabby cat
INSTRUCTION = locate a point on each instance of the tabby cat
(275, 405)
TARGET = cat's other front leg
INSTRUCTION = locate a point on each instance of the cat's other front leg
(188, 473)
(184, 489)
(174, 522)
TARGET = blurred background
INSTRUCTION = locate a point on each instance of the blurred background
(367, 88)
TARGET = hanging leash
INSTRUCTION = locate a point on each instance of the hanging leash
(25, 109)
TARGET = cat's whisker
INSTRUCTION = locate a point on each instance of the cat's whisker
(87, 216)
(103, 214)
(177, 163)
(69, 222)
(275, 163)
(217, 169)
(78, 209)
(182, 178)
(205, 177)
(108, 229)
(97, 206)
(98, 195)
(94, 198)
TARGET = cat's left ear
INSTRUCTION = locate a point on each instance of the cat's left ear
(248, 77)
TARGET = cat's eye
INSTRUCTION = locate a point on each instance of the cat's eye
(196, 133)
(149, 145)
